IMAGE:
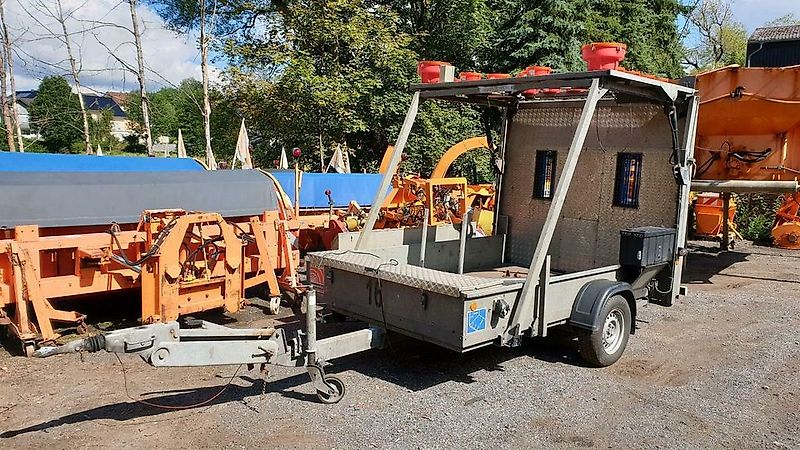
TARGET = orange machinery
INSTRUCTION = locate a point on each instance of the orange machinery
(446, 199)
(749, 129)
(182, 262)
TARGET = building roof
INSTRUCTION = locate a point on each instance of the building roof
(92, 102)
(781, 33)
(25, 98)
(120, 97)
(101, 102)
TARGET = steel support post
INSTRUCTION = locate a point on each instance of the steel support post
(683, 205)
(726, 226)
(424, 242)
(466, 221)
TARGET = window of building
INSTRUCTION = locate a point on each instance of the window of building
(544, 177)
(628, 177)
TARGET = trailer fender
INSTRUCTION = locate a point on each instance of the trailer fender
(591, 299)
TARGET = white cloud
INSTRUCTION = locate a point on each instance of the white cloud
(755, 13)
(172, 57)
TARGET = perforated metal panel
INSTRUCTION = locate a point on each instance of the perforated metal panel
(587, 235)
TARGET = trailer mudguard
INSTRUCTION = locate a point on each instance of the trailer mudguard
(591, 299)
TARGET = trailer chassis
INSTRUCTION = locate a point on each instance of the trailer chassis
(207, 344)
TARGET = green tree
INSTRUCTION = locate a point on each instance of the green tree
(181, 107)
(337, 71)
(332, 70)
(545, 32)
(647, 27)
(100, 130)
(55, 114)
(719, 40)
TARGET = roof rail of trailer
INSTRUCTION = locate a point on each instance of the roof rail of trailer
(506, 92)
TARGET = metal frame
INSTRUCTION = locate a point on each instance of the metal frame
(687, 169)
(399, 146)
(601, 86)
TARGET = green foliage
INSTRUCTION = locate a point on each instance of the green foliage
(322, 73)
(55, 113)
(180, 108)
(100, 130)
(646, 26)
(527, 32)
(453, 31)
(755, 215)
(334, 70)
(785, 20)
(721, 39)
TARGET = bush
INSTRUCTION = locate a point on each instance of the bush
(132, 144)
(755, 214)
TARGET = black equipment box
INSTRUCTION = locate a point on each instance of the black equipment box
(646, 246)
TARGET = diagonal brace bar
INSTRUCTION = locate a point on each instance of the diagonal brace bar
(380, 196)
(523, 313)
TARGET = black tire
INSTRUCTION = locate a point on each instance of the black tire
(605, 346)
(337, 385)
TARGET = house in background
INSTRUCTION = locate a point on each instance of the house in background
(95, 104)
(774, 47)
(24, 100)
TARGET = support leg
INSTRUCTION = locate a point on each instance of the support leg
(726, 228)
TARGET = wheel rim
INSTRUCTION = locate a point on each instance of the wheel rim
(613, 328)
(337, 386)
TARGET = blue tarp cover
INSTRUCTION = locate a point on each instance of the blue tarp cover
(344, 187)
(53, 162)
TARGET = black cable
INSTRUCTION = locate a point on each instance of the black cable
(394, 263)
(162, 235)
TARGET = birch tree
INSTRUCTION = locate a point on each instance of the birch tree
(9, 55)
(61, 17)
(4, 104)
(140, 76)
(42, 12)
(185, 16)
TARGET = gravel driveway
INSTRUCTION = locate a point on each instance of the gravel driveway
(719, 369)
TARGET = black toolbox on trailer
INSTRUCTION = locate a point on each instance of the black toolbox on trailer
(646, 246)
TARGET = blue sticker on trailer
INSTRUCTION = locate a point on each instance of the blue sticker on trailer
(476, 321)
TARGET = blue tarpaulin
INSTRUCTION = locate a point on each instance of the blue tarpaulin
(344, 187)
(53, 162)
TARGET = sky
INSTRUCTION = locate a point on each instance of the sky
(754, 13)
(170, 57)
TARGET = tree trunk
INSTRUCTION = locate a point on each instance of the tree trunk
(4, 103)
(210, 160)
(10, 64)
(140, 76)
(75, 76)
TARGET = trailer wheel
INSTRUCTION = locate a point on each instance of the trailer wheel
(605, 346)
(336, 385)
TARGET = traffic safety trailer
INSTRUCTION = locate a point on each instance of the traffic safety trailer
(594, 170)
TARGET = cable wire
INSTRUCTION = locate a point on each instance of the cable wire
(172, 407)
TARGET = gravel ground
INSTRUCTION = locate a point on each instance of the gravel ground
(719, 369)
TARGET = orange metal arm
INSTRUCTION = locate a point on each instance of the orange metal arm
(386, 158)
(440, 171)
